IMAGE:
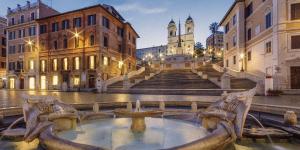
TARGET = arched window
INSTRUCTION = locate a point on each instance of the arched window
(171, 33)
(189, 30)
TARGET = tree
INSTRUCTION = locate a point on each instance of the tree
(213, 27)
(199, 48)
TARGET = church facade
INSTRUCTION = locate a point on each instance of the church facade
(178, 43)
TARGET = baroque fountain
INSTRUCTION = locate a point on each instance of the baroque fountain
(60, 126)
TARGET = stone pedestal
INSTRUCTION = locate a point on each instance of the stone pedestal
(268, 85)
(99, 85)
(138, 124)
(194, 107)
(290, 118)
(162, 105)
(225, 81)
(129, 106)
(96, 107)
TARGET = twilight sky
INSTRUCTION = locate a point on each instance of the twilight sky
(150, 18)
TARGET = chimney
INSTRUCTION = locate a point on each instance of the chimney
(28, 4)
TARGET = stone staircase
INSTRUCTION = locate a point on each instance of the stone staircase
(176, 79)
(235, 83)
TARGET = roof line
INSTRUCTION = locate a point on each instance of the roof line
(230, 9)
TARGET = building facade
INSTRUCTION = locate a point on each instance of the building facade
(155, 52)
(215, 42)
(262, 37)
(79, 46)
(22, 51)
(178, 43)
(2, 52)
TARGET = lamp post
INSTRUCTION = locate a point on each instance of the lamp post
(204, 53)
(242, 60)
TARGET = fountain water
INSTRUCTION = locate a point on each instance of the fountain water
(261, 125)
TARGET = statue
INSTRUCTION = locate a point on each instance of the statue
(39, 113)
(100, 83)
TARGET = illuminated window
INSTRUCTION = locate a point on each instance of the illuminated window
(31, 83)
(31, 64)
(76, 81)
(55, 80)
(11, 83)
(77, 63)
(105, 61)
(54, 65)
(43, 82)
(92, 62)
(43, 65)
(65, 64)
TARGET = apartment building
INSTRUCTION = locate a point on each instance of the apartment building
(2, 52)
(262, 37)
(215, 42)
(79, 46)
(22, 51)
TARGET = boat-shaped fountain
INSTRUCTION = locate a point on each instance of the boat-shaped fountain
(56, 126)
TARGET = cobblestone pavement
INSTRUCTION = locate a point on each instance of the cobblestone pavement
(14, 98)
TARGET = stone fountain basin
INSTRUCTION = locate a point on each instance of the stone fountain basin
(137, 114)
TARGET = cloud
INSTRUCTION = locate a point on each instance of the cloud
(140, 8)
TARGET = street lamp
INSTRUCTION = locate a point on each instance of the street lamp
(242, 55)
(204, 52)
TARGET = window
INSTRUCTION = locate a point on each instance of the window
(43, 66)
(234, 20)
(76, 63)
(76, 42)
(43, 29)
(120, 32)
(105, 61)
(55, 80)
(257, 29)
(227, 28)
(20, 34)
(249, 56)
(226, 46)
(249, 10)
(77, 22)
(76, 81)
(268, 47)
(54, 65)
(31, 83)
(32, 16)
(120, 48)
(92, 40)
(22, 19)
(234, 40)
(268, 20)
(65, 64)
(55, 45)
(65, 42)
(43, 82)
(65, 24)
(12, 21)
(21, 48)
(55, 27)
(105, 22)
(295, 11)
(24, 33)
(249, 34)
(92, 19)
(11, 83)
(3, 52)
(105, 41)
(227, 63)
(234, 60)
(91, 62)
(31, 31)
(295, 42)
(31, 64)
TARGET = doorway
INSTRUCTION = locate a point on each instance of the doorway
(295, 77)
(92, 81)
(22, 83)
